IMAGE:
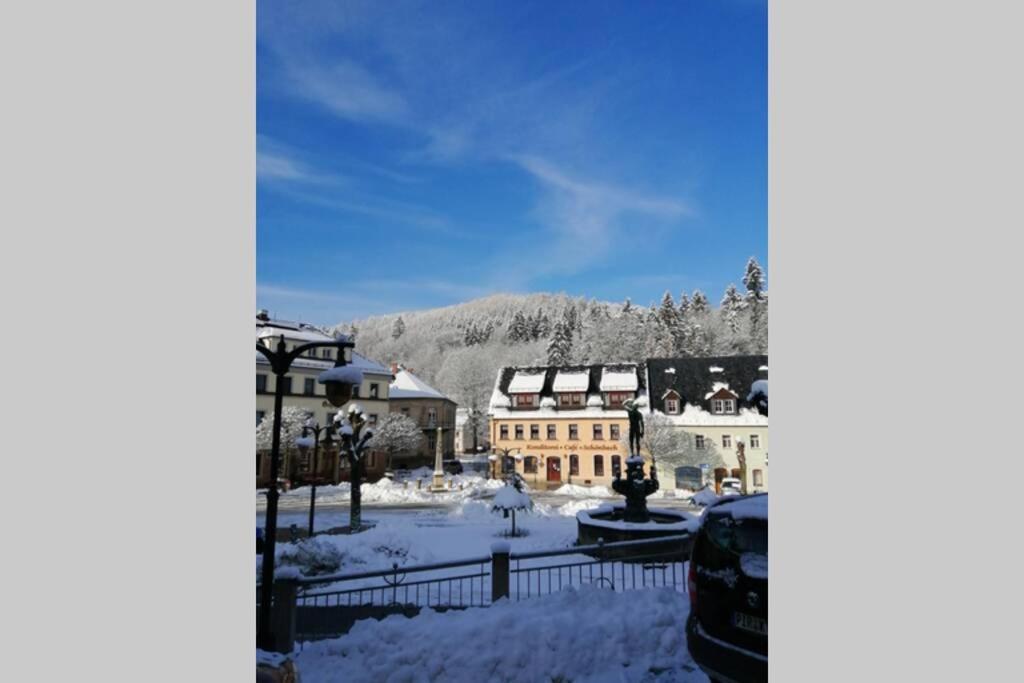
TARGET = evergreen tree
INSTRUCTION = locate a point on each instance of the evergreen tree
(542, 325)
(757, 302)
(699, 305)
(684, 305)
(517, 330)
(398, 328)
(731, 307)
(560, 346)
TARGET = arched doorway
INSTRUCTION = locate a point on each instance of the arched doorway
(554, 468)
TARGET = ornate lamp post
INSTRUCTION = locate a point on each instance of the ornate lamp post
(338, 392)
(505, 454)
(303, 444)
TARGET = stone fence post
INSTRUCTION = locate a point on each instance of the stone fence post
(500, 551)
(282, 615)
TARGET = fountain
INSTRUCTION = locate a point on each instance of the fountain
(633, 520)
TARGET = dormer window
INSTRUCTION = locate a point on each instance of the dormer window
(617, 398)
(723, 406)
(673, 404)
(525, 400)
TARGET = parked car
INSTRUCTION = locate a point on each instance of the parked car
(452, 466)
(731, 487)
(727, 630)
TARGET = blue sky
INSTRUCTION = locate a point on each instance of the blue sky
(419, 154)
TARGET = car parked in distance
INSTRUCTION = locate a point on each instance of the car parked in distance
(731, 487)
(452, 467)
(727, 630)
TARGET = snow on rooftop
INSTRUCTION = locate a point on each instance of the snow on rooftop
(547, 402)
(308, 335)
(500, 400)
(716, 387)
(408, 385)
(526, 383)
(763, 368)
(619, 380)
(595, 401)
(715, 368)
(571, 381)
(670, 370)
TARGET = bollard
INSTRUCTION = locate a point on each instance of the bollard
(499, 570)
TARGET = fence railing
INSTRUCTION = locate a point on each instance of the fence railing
(312, 608)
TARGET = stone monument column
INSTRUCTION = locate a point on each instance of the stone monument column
(438, 484)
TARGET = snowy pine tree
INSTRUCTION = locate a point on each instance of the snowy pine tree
(684, 305)
(731, 310)
(560, 346)
(699, 305)
(398, 328)
(757, 303)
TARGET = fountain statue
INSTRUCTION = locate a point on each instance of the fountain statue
(633, 520)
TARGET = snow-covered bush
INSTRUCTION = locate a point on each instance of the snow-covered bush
(312, 556)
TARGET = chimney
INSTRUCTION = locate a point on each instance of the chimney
(262, 315)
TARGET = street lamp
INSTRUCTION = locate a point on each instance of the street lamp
(338, 391)
(303, 443)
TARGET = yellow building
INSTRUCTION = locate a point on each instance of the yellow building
(564, 424)
(302, 390)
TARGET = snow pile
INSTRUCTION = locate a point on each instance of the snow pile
(346, 374)
(510, 498)
(571, 381)
(572, 507)
(387, 492)
(533, 640)
(595, 401)
(619, 379)
(704, 497)
(582, 491)
(525, 382)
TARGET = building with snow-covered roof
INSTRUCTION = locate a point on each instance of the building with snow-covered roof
(566, 421)
(301, 390)
(723, 402)
(411, 396)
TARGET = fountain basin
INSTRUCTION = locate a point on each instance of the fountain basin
(606, 523)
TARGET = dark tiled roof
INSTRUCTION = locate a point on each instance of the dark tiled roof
(693, 378)
(550, 372)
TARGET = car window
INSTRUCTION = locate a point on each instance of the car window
(737, 535)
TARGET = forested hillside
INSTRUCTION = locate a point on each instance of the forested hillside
(459, 348)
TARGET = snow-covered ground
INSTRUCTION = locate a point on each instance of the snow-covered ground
(585, 634)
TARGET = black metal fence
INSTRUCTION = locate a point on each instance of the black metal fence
(312, 608)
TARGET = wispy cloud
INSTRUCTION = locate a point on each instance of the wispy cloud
(276, 163)
(348, 90)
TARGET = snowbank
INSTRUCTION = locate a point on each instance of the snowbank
(387, 492)
(534, 640)
(582, 491)
(704, 497)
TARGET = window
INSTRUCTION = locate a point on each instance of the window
(552, 433)
(309, 386)
(530, 464)
(598, 432)
(574, 465)
(577, 399)
(616, 466)
(431, 442)
(286, 384)
(259, 416)
(431, 416)
(325, 353)
(672, 406)
(261, 384)
(614, 432)
(698, 441)
(758, 478)
(723, 406)
(726, 441)
(574, 432)
(329, 420)
(755, 441)
(598, 465)
(372, 421)
(504, 431)
(525, 400)
(405, 411)
(355, 393)
(534, 432)
(519, 432)
(374, 389)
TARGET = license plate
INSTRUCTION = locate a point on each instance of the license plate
(750, 623)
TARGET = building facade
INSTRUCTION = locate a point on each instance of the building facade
(565, 425)
(303, 391)
(464, 433)
(411, 396)
(722, 402)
